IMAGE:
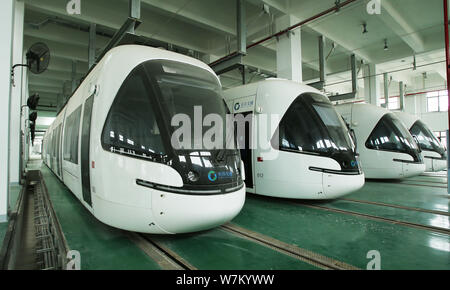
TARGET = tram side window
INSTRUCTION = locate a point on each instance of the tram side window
(299, 130)
(131, 127)
(71, 136)
(390, 135)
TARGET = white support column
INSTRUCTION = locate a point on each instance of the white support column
(402, 96)
(74, 75)
(91, 48)
(386, 90)
(6, 22)
(16, 93)
(371, 89)
(289, 50)
(25, 114)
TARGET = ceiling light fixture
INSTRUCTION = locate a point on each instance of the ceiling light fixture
(386, 47)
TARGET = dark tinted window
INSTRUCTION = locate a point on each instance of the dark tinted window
(58, 149)
(312, 125)
(391, 135)
(182, 88)
(71, 136)
(427, 140)
(150, 97)
(131, 126)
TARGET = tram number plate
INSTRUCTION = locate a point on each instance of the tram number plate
(260, 175)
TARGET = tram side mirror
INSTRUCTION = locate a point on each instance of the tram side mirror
(33, 117)
(355, 141)
(32, 133)
(33, 101)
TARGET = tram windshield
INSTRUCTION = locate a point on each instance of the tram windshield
(427, 140)
(312, 126)
(160, 98)
(391, 135)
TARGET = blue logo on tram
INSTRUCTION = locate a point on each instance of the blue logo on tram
(212, 176)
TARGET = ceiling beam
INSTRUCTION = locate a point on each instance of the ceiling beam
(394, 18)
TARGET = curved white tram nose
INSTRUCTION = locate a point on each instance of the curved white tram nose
(336, 185)
(176, 213)
(413, 169)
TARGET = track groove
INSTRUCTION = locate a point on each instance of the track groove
(407, 183)
(396, 206)
(303, 255)
(160, 253)
(377, 218)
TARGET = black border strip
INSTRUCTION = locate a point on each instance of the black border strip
(339, 172)
(171, 189)
(406, 161)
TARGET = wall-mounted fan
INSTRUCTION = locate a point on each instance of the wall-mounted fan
(38, 59)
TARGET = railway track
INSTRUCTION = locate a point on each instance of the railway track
(409, 183)
(162, 255)
(378, 218)
(397, 206)
(303, 255)
(428, 181)
(169, 260)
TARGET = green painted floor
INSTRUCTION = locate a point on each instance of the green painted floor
(404, 195)
(3, 228)
(339, 236)
(345, 238)
(101, 247)
(440, 221)
(220, 250)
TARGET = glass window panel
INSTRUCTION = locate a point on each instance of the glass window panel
(443, 104)
(131, 124)
(312, 125)
(433, 104)
(71, 136)
(391, 135)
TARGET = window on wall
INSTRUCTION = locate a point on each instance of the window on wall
(437, 101)
(442, 136)
(394, 103)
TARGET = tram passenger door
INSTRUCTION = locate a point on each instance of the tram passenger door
(85, 158)
(246, 152)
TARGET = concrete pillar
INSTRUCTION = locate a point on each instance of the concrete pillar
(241, 27)
(24, 117)
(322, 59)
(74, 75)
(6, 35)
(289, 50)
(402, 96)
(386, 90)
(16, 93)
(371, 89)
(91, 49)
